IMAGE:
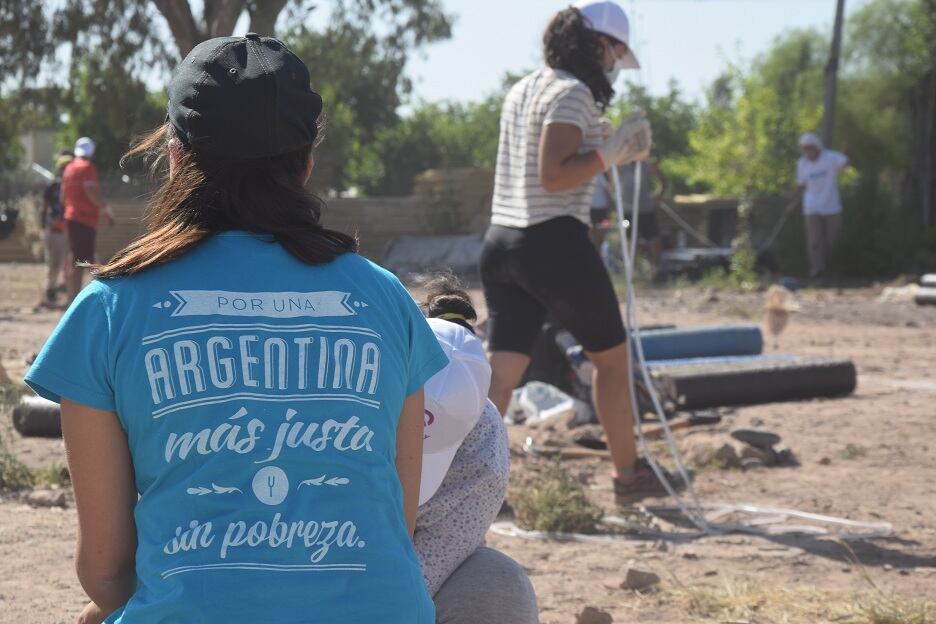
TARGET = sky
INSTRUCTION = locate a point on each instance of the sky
(690, 41)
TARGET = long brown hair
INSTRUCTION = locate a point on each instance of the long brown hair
(570, 45)
(205, 196)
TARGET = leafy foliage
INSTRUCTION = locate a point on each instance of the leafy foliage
(360, 75)
(434, 136)
(107, 51)
(110, 106)
(745, 141)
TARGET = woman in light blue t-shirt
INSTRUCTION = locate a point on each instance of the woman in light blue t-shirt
(241, 393)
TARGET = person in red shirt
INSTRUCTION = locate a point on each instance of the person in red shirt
(81, 195)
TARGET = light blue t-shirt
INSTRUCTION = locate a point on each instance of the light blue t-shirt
(260, 397)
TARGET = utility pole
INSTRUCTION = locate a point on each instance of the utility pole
(831, 75)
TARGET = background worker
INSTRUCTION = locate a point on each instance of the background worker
(53, 228)
(817, 173)
(648, 230)
(537, 255)
(81, 196)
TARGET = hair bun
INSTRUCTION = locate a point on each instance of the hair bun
(446, 296)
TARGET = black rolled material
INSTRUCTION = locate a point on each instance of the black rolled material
(925, 296)
(35, 417)
(700, 386)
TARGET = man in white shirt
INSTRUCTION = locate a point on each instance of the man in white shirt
(817, 174)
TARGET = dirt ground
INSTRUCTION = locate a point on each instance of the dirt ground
(869, 456)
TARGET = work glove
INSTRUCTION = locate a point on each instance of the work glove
(629, 142)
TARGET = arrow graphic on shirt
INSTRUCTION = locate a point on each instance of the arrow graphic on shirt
(334, 481)
(214, 489)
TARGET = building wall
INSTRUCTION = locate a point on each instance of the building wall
(454, 201)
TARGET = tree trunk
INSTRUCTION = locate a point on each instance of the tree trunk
(181, 24)
(263, 14)
(221, 16)
(831, 75)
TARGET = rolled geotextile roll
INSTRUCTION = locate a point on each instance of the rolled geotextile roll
(928, 280)
(696, 342)
(37, 417)
(703, 385)
(925, 296)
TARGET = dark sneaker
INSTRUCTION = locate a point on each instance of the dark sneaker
(644, 484)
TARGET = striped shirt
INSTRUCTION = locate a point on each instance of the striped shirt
(544, 97)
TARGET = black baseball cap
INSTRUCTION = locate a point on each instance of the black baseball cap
(243, 97)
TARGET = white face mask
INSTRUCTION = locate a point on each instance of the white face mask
(615, 71)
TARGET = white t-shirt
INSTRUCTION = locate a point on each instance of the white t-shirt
(820, 177)
(544, 97)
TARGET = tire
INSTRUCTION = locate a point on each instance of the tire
(35, 417)
(704, 385)
(700, 342)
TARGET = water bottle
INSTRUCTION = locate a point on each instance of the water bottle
(576, 356)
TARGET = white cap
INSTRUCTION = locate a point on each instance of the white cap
(455, 398)
(84, 147)
(810, 139)
(610, 19)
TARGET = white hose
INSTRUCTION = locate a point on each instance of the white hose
(629, 255)
(694, 510)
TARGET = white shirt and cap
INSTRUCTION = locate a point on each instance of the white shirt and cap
(84, 148)
(455, 398)
(820, 177)
(466, 460)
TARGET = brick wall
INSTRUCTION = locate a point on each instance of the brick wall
(452, 201)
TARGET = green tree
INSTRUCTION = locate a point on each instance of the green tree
(102, 53)
(361, 77)
(10, 148)
(105, 103)
(892, 111)
(435, 135)
(745, 140)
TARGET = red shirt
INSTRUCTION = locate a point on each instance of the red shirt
(78, 207)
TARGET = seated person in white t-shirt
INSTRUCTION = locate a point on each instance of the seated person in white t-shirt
(817, 174)
(465, 469)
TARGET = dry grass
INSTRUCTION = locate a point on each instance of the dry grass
(852, 451)
(14, 474)
(552, 500)
(743, 603)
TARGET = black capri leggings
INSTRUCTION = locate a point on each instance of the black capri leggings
(549, 267)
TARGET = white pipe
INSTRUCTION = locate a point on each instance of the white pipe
(629, 256)
(694, 510)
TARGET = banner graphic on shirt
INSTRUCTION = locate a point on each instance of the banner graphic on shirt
(326, 303)
(261, 394)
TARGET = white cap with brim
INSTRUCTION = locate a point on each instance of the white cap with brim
(610, 19)
(84, 147)
(455, 398)
(810, 139)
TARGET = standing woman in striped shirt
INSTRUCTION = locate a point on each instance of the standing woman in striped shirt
(537, 256)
